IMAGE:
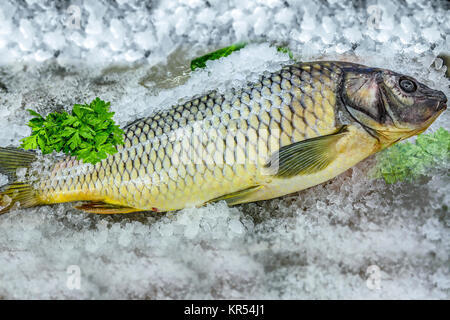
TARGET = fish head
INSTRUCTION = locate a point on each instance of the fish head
(389, 105)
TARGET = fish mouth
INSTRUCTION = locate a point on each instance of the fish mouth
(409, 132)
(441, 106)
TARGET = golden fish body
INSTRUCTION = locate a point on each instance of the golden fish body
(278, 135)
(215, 145)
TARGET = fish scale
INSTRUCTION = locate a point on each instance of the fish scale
(287, 131)
(209, 146)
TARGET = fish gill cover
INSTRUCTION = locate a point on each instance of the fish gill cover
(352, 237)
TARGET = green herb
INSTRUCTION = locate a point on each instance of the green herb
(286, 50)
(89, 132)
(407, 161)
(201, 61)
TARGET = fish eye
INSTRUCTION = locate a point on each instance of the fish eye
(407, 85)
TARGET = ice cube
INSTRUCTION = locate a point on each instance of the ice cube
(3, 180)
(432, 34)
(236, 226)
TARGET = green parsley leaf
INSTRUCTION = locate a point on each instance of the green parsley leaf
(200, 62)
(89, 132)
(286, 50)
(406, 161)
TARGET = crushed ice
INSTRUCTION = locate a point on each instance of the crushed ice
(318, 243)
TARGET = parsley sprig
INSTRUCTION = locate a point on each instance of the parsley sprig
(407, 161)
(200, 62)
(89, 132)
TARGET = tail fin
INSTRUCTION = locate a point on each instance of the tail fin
(16, 191)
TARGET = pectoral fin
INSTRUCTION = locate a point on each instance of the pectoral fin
(238, 196)
(105, 208)
(305, 157)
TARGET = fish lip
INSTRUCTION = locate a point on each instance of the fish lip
(441, 106)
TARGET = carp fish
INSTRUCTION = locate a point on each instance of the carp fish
(289, 130)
